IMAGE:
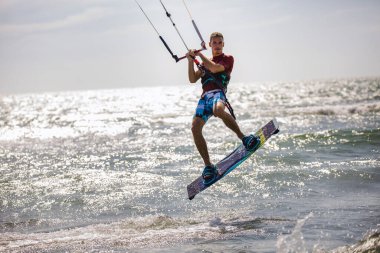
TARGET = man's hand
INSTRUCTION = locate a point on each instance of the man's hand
(191, 54)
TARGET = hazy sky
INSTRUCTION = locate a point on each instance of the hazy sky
(51, 45)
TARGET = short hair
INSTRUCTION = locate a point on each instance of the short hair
(216, 35)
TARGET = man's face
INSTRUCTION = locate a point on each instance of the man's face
(217, 45)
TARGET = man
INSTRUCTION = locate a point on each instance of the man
(215, 75)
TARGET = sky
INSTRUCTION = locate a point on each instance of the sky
(65, 45)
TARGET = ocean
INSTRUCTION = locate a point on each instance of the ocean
(107, 170)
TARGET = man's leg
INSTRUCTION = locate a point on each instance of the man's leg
(228, 120)
(199, 140)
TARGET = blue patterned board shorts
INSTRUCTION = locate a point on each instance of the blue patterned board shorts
(207, 102)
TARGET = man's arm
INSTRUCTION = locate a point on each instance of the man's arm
(193, 75)
(210, 65)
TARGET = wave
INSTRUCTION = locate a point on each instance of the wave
(113, 112)
(157, 231)
(164, 233)
(295, 242)
(370, 243)
(333, 141)
(331, 110)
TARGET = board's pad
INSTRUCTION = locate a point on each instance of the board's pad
(234, 159)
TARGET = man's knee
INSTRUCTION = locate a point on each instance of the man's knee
(219, 110)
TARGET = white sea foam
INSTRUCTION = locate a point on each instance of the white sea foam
(295, 241)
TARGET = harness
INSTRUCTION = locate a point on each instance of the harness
(221, 79)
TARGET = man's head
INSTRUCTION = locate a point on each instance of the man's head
(216, 43)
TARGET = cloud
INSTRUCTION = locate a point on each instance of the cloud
(86, 16)
(272, 22)
(265, 23)
(8, 3)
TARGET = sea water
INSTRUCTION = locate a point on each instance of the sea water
(107, 170)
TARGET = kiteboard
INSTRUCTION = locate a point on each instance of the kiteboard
(234, 159)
